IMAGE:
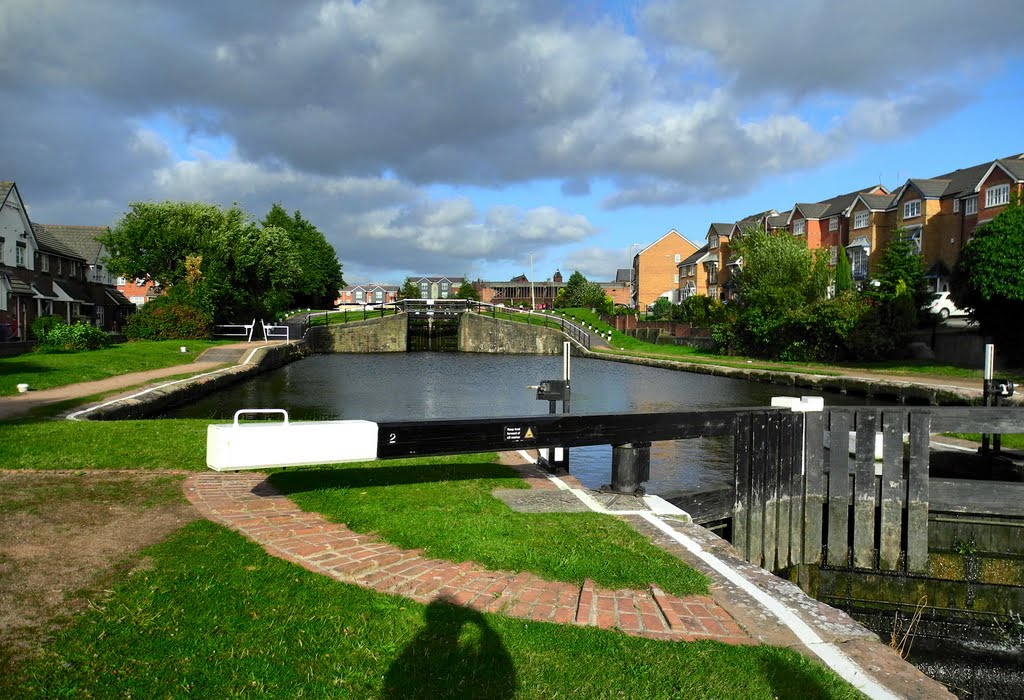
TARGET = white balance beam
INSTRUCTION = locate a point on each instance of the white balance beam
(286, 444)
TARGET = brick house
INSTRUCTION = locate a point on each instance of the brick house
(370, 293)
(438, 287)
(870, 225)
(693, 274)
(109, 307)
(656, 271)
(620, 288)
(825, 225)
(718, 250)
(1003, 180)
(19, 305)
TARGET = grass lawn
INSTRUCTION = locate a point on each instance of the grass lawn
(130, 444)
(322, 318)
(212, 615)
(1010, 442)
(444, 506)
(47, 370)
(624, 344)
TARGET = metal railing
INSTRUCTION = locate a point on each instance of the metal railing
(235, 330)
(573, 330)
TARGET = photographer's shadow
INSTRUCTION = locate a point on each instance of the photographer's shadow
(457, 655)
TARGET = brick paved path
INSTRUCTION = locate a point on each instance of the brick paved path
(247, 503)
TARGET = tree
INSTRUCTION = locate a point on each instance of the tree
(319, 272)
(988, 279)
(780, 282)
(217, 260)
(409, 290)
(779, 273)
(578, 292)
(467, 291)
(900, 270)
(662, 310)
(152, 240)
(844, 273)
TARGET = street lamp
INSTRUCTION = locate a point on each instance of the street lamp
(631, 302)
(533, 297)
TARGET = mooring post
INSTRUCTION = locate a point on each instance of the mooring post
(631, 467)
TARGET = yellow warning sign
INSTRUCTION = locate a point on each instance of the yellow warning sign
(529, 433)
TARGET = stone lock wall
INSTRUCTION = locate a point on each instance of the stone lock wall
(478, 333)
(388, 334)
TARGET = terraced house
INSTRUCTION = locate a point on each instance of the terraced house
(47, 269)
(938, 214)
(370, 293)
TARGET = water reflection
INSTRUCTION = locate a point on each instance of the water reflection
(420, 386)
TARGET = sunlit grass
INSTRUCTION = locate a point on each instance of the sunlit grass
(52, 369)
(213, 615)
(444, 506)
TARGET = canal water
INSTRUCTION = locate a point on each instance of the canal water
(419, 386)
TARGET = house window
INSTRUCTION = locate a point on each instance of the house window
(914, 236)
(19, 254)
(712, 273)
(833, 258)
(997, 196)
(379, 296)
(833, 223)
(713, 242)
(677, 280)
(971, 205)
(359, 295)
(679, 257)
(859, 262)
(912, 209)
(138, 301)
(956, 205)
(799, 227)
(44, 261)
(424, 289)
(60, 266)
(861, 219)
(122, 281)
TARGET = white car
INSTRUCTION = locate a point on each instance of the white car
(942, 305)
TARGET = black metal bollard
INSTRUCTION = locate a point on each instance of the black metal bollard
(631, 467)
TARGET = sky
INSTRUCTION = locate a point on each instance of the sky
(488, 139)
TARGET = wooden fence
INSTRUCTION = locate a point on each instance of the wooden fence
(845, 487)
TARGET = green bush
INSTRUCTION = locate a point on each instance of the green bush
(80, 336)
(700, 310)
(166, 318)
(42, 326)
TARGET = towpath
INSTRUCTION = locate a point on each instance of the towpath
(21, 405)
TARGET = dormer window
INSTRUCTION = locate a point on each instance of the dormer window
(799, 227)
(861, 219)
(912, 209)
(713, 241)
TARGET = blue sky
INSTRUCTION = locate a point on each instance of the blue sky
(460, 138)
